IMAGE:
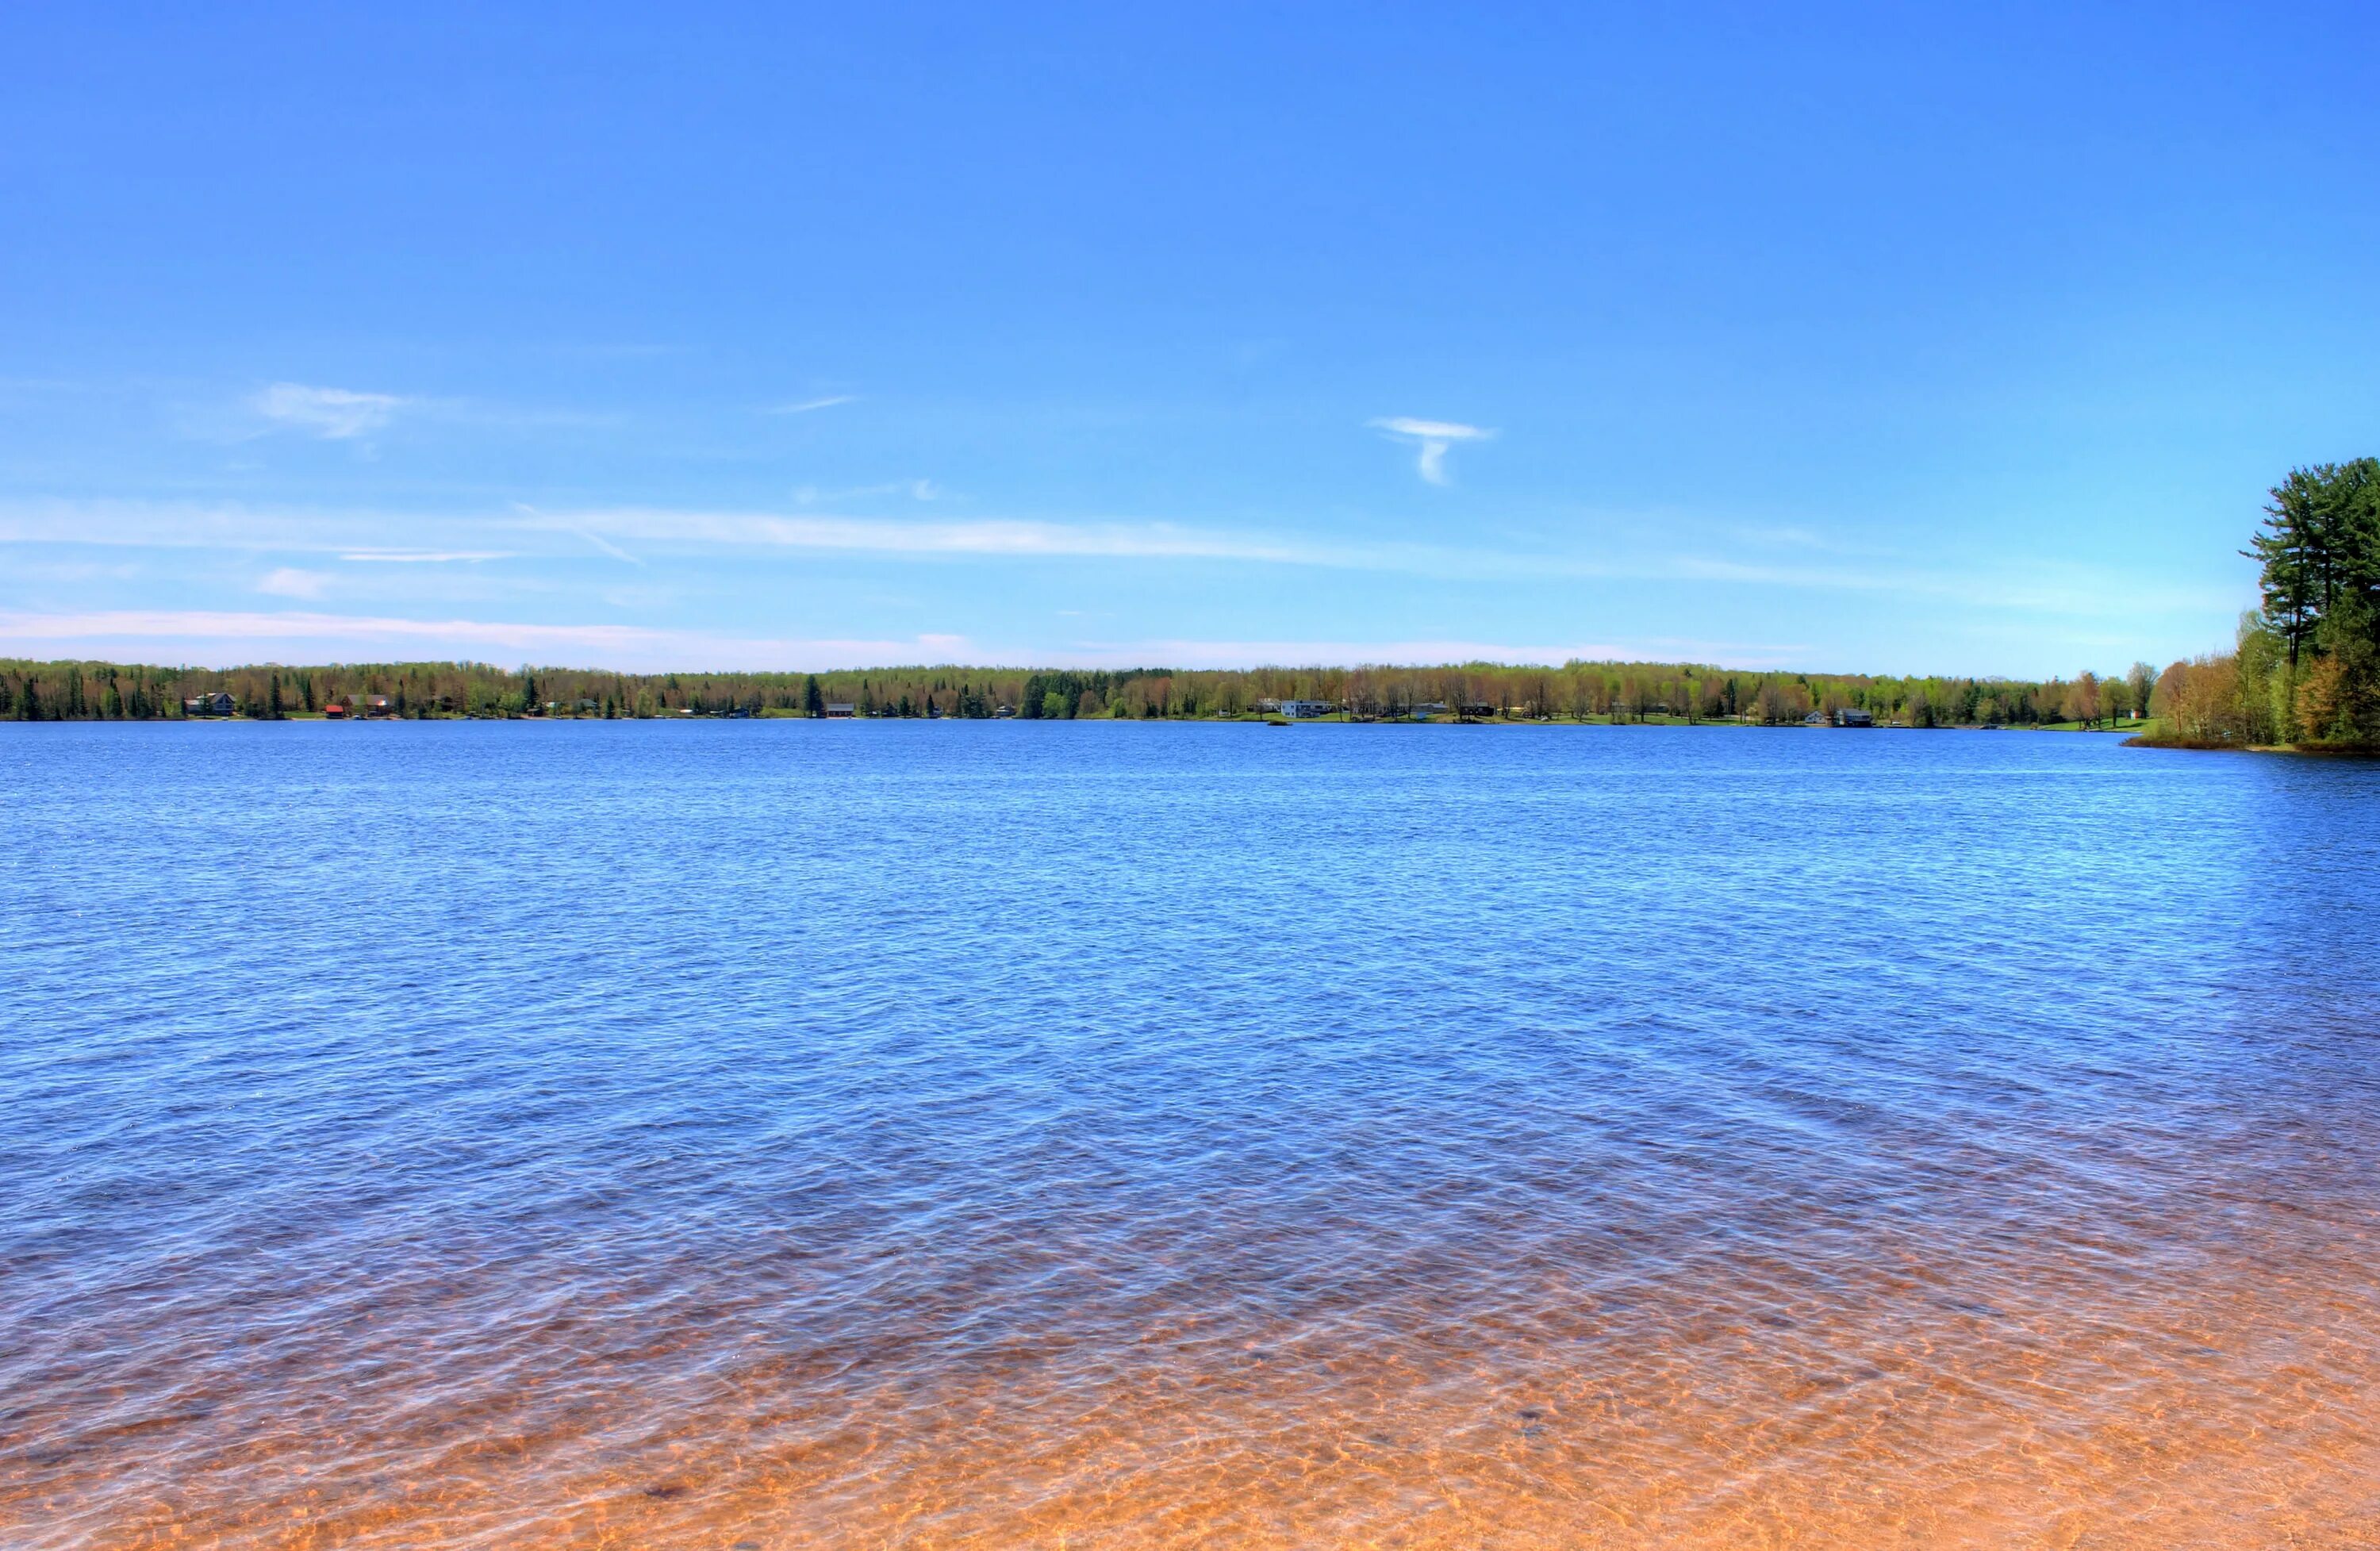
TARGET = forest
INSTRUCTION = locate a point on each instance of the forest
(2305, 672)
(1578, 691)
(2304, 669)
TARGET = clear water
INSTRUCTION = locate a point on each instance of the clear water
(1101, 1135)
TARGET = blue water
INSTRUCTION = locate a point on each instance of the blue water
(980, 1134)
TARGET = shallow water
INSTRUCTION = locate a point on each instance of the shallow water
(1097, 1135)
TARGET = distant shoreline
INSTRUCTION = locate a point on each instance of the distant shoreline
(1576, 691)
(2138, 730)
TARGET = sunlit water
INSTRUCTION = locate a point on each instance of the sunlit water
(1096, 1134)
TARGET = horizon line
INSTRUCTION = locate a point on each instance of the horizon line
(1144, 669)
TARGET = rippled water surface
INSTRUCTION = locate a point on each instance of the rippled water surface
(1098, 1135)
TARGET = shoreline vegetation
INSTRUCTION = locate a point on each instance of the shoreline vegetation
(2303, 674)
(1578, 692)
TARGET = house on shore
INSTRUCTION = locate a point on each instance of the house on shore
(216, 704)
(1306, 708)
(1848, 717)
(841, 711)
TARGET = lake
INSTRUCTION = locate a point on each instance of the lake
(783, 1133)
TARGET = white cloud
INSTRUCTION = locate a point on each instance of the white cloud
(423, 557)
(333, 414)
(375, 535)
(1412, 653)
(2032, 586)
(803, 407)
(573, 525)
(225, 639)
(609, 548)
(290, 582)
(988, 536)
(915, 490)
(1429, 652)
(1433, 437)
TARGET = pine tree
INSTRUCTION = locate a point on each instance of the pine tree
(2290, 547)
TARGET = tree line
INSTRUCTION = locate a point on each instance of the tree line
(1581, 691)
(2304, 669)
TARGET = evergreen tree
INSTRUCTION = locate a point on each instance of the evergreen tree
(2290, 547)
(2319, 547)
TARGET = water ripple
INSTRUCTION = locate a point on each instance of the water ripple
(1099, 1134)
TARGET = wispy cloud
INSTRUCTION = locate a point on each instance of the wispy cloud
(2032, 585)
(989, 537)
(423, 557)
(204, 525)
(2037, 586)
(230, 625)
(291, 582)
(224, 638)
(571, 524)
(377, 535)
(333, 414)
(915, 490)
(1433, 437)
(804, 406)
(1251, 654)
(353, 417)
(1427, 652)
(609, 548)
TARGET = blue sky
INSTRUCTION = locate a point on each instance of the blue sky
(1896, 338)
